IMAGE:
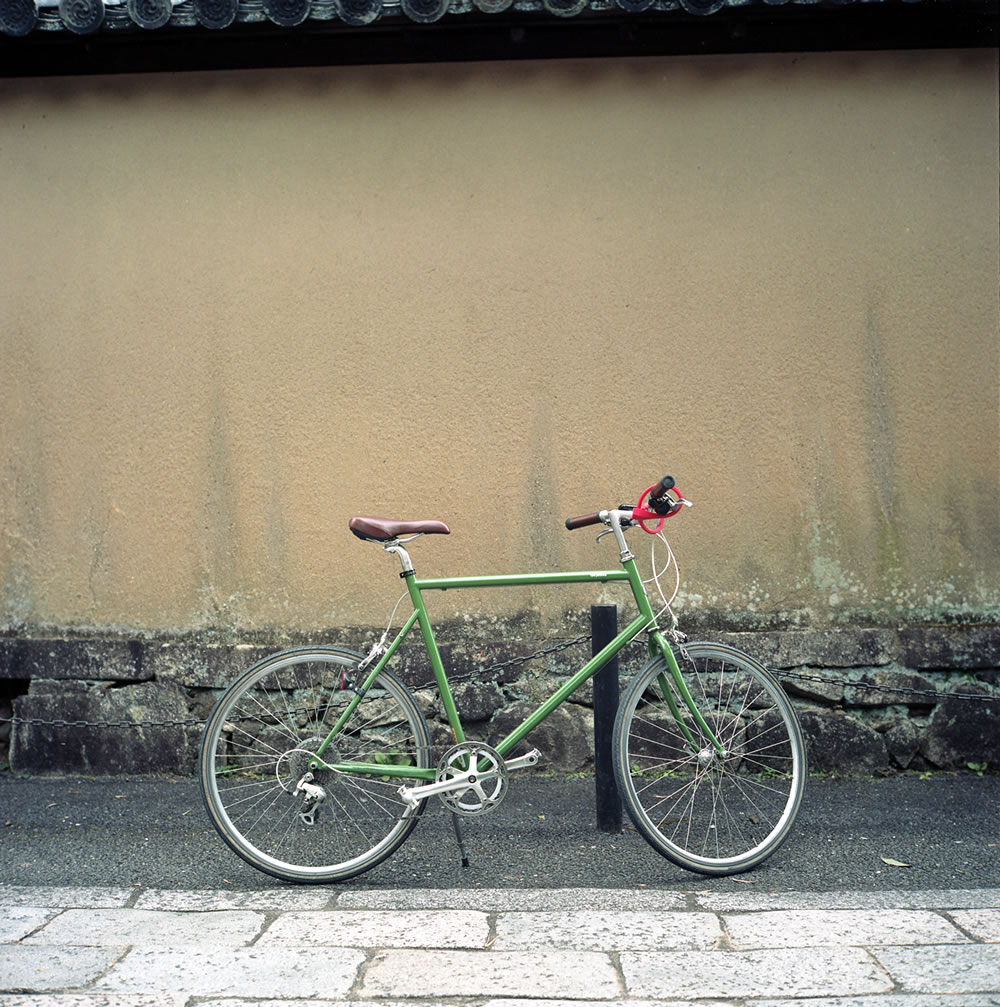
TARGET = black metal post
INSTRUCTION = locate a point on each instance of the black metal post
(604, 628)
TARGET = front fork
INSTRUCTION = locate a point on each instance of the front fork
(660, 647)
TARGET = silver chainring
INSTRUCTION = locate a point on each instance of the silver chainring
(486, 787)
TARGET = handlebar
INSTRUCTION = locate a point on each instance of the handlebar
(655, 504)
(583, 520)
(659, 495)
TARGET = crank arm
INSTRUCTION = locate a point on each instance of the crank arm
(524, 761)
(414, 795)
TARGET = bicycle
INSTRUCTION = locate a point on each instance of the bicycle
(316, 763)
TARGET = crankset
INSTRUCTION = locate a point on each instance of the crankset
(479, 774)
(471, 779)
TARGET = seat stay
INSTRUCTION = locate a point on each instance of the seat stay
(369, 681)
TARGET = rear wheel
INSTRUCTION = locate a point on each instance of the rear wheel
(716, 812)
(301, 824)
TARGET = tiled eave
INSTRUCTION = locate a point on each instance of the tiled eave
(85, 36)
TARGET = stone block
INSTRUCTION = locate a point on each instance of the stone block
(477, 700)
(965, 647)
(99, 749)
(104, 660)
(892, 676)
(838, 742)
(206, 666)
(963, 730)
(565, 738)
(845, 647)
(902, 740)
(827, 693)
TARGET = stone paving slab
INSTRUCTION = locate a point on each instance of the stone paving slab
(513, 949)
(973, 968)
(442, 928)
(53, 968)
(983, 924)
(17, 922)
(101, 1000)
(451, 1002)
(83, 927)
(772, 973)
(64, 898)
(752, 901)
(805, 928)
(876, 1000)
(242, 972)
(519, 1002)
(565, 974)
(270, 900)
(595, 930)
(888, 1000)
(513, 899)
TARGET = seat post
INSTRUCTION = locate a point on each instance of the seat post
(404, 556)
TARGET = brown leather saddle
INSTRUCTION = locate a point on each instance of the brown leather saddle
(379, 529)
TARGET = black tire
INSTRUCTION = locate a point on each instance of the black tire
(709, 812)
(256, 747)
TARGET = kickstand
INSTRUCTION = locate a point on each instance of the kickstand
(457, 822)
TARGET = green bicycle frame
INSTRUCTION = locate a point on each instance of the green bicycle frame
(417, 586)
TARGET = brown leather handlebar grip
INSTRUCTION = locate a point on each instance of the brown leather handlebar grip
(583, 520)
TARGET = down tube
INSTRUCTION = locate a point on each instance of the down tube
(625, 637)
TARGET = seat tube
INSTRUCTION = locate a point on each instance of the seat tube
(433, 654)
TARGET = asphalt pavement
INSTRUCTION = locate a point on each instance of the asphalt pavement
(117, 893)
(154, 832)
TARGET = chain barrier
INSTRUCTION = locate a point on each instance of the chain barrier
(897, 689)
(523, 659)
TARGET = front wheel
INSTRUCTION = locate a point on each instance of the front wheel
(274, 808)
(714, 809)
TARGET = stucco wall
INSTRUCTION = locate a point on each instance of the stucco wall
(239, 307)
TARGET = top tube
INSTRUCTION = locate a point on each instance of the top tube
(516, 579)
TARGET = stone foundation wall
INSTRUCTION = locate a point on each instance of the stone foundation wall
(945, 715)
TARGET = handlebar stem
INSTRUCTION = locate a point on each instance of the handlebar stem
(613, 518)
